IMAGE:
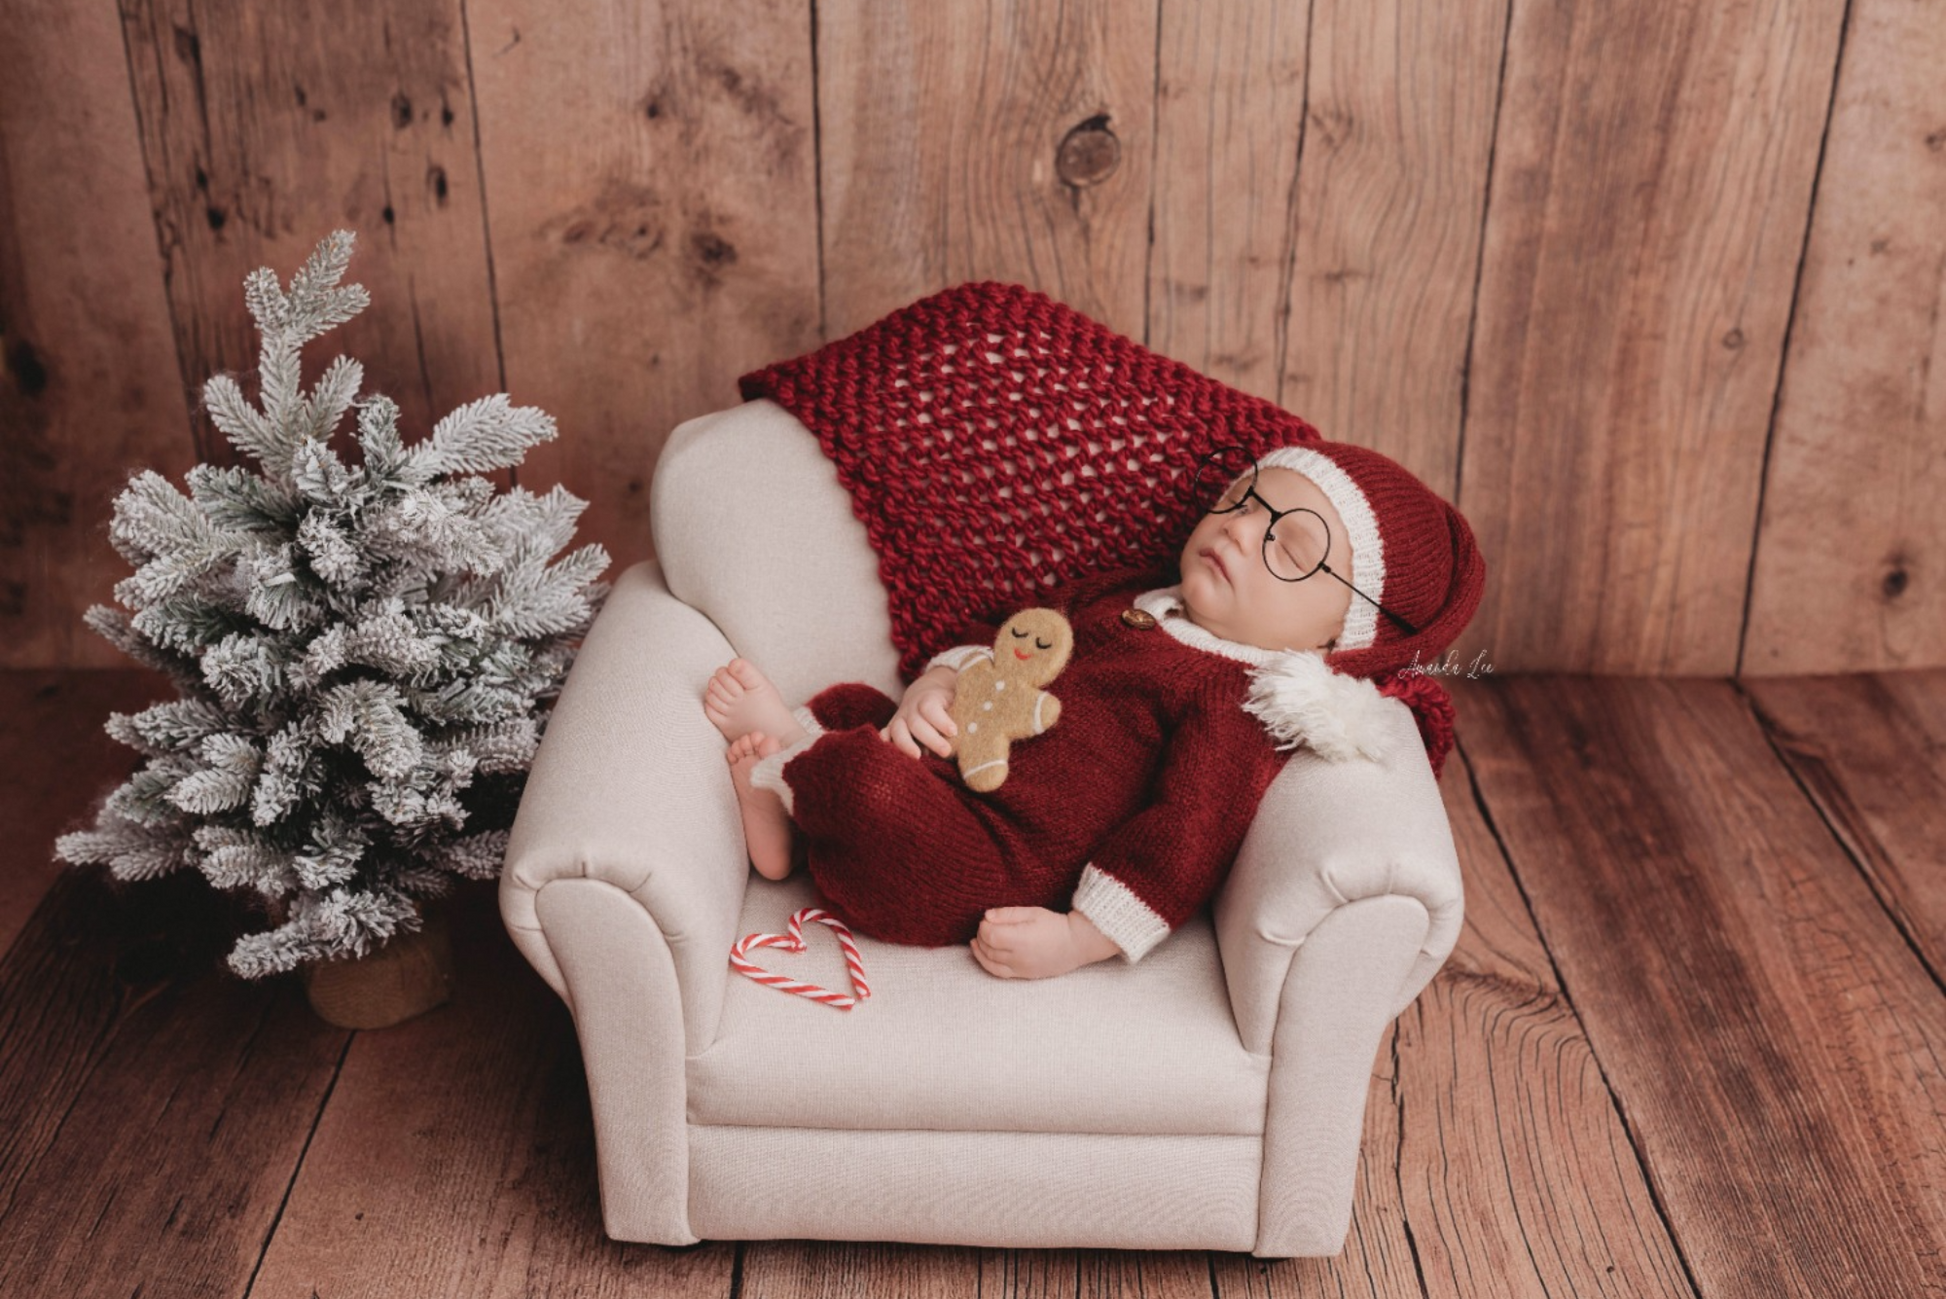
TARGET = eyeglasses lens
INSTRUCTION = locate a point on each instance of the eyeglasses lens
(1297, 546)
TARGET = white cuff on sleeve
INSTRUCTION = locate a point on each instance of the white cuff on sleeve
(1128, 921)
(769, 772)
(958, 657)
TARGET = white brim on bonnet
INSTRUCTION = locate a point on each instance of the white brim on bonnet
(1368, 554)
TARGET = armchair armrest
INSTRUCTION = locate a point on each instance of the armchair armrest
(1326, 834)
(629, 787)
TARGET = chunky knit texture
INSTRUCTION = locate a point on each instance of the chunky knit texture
(1131, 808)
(997, 442)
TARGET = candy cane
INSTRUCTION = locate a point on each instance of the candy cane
(794, 942)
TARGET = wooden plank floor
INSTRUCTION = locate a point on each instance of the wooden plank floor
(1690, 1043)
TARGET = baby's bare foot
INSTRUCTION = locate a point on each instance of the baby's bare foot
(740, 699)
(766, 825)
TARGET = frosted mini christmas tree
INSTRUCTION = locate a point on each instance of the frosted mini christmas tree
(361, 650)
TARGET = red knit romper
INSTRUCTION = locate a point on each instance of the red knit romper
(1151, 775)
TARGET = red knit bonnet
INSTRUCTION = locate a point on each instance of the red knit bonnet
(1409, 551)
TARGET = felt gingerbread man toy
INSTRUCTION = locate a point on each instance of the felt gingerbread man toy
(1001, 700)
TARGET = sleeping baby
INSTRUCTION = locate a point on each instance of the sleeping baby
(1313, 570)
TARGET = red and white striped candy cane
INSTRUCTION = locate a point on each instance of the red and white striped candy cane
(794, 942)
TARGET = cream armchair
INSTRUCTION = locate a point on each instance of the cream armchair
(1210, 1096)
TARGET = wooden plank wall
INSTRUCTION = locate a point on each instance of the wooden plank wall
(1652, 290)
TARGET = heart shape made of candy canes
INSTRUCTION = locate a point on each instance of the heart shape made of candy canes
(794, 942)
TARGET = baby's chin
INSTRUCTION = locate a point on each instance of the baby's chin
(1196, 600)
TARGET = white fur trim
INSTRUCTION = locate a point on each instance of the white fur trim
(769, 772)
(1367, 552)
(1301, 701)
(1130, 923)
(957, 657)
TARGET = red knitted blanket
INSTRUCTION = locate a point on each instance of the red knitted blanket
(996, 442)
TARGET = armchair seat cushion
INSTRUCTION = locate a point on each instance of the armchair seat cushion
(1148, 1049)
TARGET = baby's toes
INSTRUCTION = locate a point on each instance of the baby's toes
(745, 674)
(767, 745)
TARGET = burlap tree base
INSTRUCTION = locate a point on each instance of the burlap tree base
(408, 976)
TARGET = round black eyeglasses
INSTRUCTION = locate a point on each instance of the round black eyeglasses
(1227, 477)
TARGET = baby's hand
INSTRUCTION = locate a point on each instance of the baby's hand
(925, 715)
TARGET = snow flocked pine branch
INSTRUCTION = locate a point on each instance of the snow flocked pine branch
(361, 650)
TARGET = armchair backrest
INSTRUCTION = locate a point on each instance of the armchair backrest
(753, 528)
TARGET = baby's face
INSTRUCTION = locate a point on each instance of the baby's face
(1228, 591)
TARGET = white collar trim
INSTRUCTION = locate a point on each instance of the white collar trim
(1293, 693)
(1165, 605)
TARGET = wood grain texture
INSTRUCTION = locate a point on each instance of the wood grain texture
(1854, 514)
(1772, 1041)
(89, 391)
(1149, 1274)
(796, 1269)
(1229, 119)
(1650, 196)
(647, 202)
(1871, 753)
(991, 140)
(1518, 1173)
(1711, 954)
(267, 128)
(651, 174)
(1391, 208)
(816, 1269)
(153, 1107)
(457, 1156)
(57, 766)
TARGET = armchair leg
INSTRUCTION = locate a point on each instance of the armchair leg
(1337, 1001)
(621, 983)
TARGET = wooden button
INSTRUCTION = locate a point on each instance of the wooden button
(1140, 619)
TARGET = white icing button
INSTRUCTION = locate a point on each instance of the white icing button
(972, 727)
(988, 704)
(999, 685)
